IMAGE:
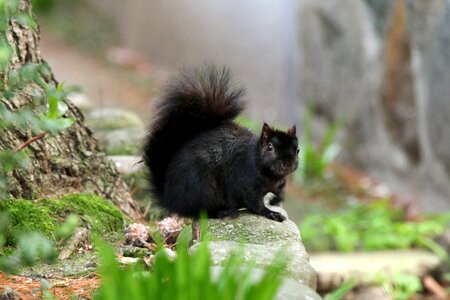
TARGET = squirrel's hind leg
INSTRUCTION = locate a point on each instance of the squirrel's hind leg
(228, 213)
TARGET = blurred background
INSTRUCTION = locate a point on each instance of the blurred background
(367, 82)
(379, 69)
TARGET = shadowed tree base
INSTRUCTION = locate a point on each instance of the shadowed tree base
(68, 162)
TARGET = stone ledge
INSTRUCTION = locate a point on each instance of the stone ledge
(261, 242)
(335, 268)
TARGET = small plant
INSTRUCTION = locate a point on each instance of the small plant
(400, 286)
(374, 226)
(185, 277)
(314, 161)
(341, 291)
(30, 247)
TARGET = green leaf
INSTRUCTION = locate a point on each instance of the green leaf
(10, 160)
(60, 87)
(5, 54)
(54, 126)
(12, 6)
(68, 227)
(56, 105)
(33, 246)
(29, 72)
(13, 78)
(330, 153)
(25, 19)
(52, 112)
(341, 291)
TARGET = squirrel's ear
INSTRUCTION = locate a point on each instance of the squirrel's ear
(292, 130)
(265, 132)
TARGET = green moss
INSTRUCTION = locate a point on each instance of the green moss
(123, 150)
(44, 216)
(96, 213)
(78, 265)
(250, 228)
(25, 215)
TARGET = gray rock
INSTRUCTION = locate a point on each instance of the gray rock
(80, 237)
(341, 71)
(439, 87)
(389, 80)
(126, 141)
(113, 118)
(252, 229)
(127, 260)
(132, 251)
(290, 289)
(127, 164)
(335, 268)
(430, 26)
(81, 101)
(338, 44)
(294, 290)
(297, 267)
(261, 241)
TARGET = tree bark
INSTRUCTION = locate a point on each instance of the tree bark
(67, 162)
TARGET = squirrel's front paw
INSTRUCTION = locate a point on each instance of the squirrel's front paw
(273, 215)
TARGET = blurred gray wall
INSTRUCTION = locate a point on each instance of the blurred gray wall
(384, 68)
(381, 66)
(256, 39)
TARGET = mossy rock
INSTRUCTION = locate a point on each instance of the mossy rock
(95, 213)
(113, 118)
(26, 215)
(261, 241)
(127, 141)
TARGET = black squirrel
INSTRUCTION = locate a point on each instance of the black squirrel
(200, 160)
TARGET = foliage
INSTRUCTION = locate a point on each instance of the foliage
(96, 213)
(25, 215)
(9, 161)
(251, 124)
(31, 246)
(187, 276)
(400, 286)
(314, 161)
(341, 291)
(373, 226)
(44, 5)
(46, 216)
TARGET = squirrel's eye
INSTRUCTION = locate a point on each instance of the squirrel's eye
(270, 147)
(298, 150)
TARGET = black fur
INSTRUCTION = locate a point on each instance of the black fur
(199, 160)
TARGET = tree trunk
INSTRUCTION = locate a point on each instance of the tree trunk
(70, 161)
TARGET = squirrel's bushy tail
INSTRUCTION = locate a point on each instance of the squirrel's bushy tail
(194, 101)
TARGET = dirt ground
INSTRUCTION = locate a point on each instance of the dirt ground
(24, 288)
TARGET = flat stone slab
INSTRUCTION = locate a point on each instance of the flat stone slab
(335, 268)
